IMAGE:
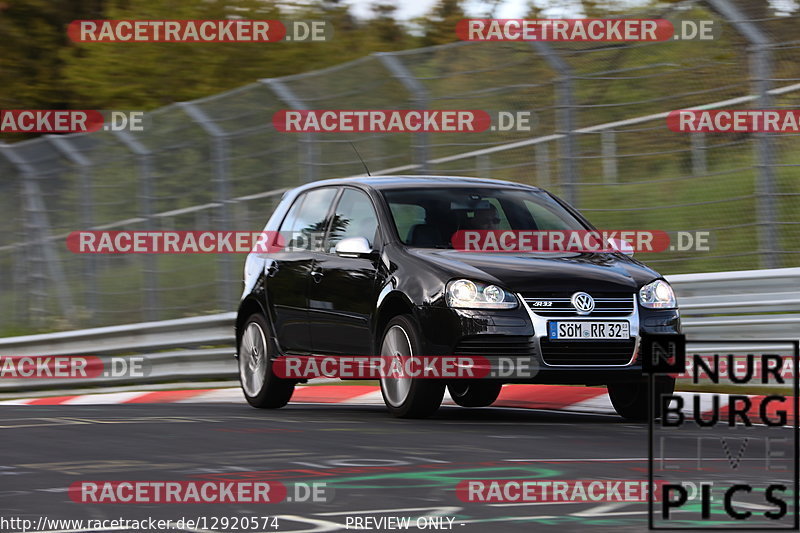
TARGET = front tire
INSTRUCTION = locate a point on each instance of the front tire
(630, 400)
(261, 387)
(474, 393)
(407, 397)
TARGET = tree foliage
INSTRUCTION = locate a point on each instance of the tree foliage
(40, 68)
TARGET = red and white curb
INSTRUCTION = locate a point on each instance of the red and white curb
(525, 396)
(593, 400)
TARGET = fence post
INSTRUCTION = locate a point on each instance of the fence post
(63, 145)
(698, 140)
(14, 282)
(482, 166)
(308, 146)
(608, 141)
(565, 120)
(420, 99)
(542, 155)
(759, 54)
(144, 161)
(219, 159)
(42, 240)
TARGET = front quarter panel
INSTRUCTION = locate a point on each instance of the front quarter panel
(423, 285)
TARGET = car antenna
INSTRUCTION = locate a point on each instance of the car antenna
(359, 158)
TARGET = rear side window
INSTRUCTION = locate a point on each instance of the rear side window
(308, 218)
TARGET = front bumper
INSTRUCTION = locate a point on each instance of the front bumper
(517, 334)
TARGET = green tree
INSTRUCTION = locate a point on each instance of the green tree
(384, 26)
(41, 68)
(439, 26)
(32, 32)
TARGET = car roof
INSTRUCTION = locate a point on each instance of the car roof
(400, 182)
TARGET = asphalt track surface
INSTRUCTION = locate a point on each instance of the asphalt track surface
(372, 465)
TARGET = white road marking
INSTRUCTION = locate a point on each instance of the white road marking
(531, 503)
(370, 398)
(231, 395)
(103, 399)
(602, 510)
(598, 404)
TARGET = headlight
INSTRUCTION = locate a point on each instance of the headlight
(657, 295)
(466, 294)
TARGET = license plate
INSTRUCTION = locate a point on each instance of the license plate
(588, 330)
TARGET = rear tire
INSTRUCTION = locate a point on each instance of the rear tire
(474, 393)
(407, 397)
(630, 400)
(261, 387)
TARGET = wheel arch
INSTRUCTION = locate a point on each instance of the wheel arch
(249, 306)
(394, 304)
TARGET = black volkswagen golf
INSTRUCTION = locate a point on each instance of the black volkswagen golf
(382, 277)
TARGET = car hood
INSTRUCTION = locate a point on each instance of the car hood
(544, 273)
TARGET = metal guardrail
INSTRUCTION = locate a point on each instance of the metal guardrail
(747, 304)
(740, 305)
(195, 348)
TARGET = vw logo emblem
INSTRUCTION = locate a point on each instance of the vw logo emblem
(583, 303)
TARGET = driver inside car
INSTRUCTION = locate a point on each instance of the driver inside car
(485, 218)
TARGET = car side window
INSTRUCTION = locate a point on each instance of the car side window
(308, 226)
(355, 217)
(291, 216)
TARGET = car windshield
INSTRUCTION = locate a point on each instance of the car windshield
(428, 217)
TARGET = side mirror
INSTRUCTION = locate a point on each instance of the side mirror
(622, 246)
(353, 247)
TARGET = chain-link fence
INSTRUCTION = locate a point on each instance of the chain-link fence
(600, 141)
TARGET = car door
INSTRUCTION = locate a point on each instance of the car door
(289, 273)
(342, 291)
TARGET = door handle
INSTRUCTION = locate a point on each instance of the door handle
(317, 274)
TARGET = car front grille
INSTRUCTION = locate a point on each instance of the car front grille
(605, 305)
(496, 346)
(587, 353)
